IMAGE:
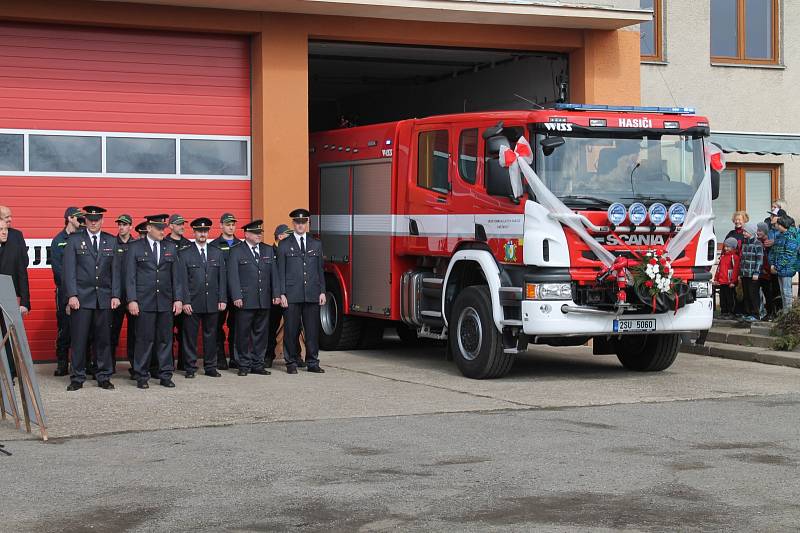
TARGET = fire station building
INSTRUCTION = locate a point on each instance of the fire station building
(201, 106)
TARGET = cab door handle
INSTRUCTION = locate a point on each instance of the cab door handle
(441, 200)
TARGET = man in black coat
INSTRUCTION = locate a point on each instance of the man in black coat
(302, 279)
(13, 262)
(14, 235)
(206, 282)
(92, 288)
(154, 291)
(57, 246)
(253, 287)
(176, 230)
(124, 238)
(226, 240)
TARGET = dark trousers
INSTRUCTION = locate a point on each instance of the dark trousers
(251, 338)
(63, 337)
(95, 324)
(119, 315)
(752, 297)
(727, 299)
(307, 315)
(769, 296)
(226, 318)
(776, 293)
(191, 325)
(153, 339)
(275, 317)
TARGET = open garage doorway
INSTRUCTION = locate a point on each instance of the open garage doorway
(353, 84)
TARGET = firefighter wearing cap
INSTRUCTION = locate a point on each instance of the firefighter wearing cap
(176, 231)
(124, 238)
(206, 281)
(92, 285)
(71, 225)
(253, 287)
(155, 293)
(226, 241)
(276, 313)
(300, 270)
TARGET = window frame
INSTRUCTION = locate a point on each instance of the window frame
(476, 156)
(658, 35)
(741, 43)
(433, 189)
(741, 181)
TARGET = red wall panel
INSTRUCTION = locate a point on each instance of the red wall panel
(90, 79)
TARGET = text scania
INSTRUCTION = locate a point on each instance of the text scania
(632, 240)
(557, 126)
(643, 122)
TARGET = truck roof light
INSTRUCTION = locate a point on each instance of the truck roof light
(672, 124)
(635, 109)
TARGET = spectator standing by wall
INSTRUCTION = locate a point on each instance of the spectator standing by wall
(752, 259)
(726, 277)
(783, 257)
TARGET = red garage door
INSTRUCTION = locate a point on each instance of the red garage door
(137, 122)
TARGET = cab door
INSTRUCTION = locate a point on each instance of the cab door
(429, 190)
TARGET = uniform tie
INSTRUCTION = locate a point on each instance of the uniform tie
(155, 251)
(302, 245)
(203, 254)
(94, 243)
(255, 253)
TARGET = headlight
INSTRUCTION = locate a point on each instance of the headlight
(702, 288)
(548, 291)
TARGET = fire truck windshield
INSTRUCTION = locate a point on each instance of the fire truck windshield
(614, 169)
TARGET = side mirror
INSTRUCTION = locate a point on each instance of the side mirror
(498, 179)
(549, 144)
(714, 184)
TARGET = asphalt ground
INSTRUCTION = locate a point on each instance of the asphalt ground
(396, 440)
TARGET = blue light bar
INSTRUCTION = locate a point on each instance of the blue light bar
(626, 108)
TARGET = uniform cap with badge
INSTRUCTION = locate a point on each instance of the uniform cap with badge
(157, 221)
(256, 226)
(300, 215)
(201, 224)
(124, 219)
(227, 217)
(73, 212)
(281, 229)
(176, 219)
(141, 228)
(93, 212)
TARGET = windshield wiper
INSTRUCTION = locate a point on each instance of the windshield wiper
(647, 198)
(587, 199)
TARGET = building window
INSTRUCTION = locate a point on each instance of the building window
(211, 157)
(433, 161)
(748, 188)
(468, 155)
(66, 153)
(140, 156)
(744, 31)
(651, 33)
(12, 152)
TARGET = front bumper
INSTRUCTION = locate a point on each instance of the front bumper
(543, 317)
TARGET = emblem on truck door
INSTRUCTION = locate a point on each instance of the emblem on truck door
(510, 250)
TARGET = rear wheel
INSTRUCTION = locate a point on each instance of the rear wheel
(474, 341)
(338, 331)
(648, 353)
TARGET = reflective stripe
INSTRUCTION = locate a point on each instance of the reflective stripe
(451, 225)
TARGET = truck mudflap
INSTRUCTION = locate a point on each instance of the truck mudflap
(557, 317)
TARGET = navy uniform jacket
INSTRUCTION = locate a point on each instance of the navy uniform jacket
(91, 275)
(302, 278)
(120, 249)
(206, 284)
(182, 243)
(255, 284)
(154, 288)
(57, 246)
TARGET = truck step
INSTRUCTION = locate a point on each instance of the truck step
(511, 322)
(745, 353)
(433, 314)
(739, 337)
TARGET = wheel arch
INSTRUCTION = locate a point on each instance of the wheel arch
(473, 266)
(334, 273)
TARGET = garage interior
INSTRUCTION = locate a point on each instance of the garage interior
(355, 84)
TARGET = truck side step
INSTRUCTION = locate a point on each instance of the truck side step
(511, 322)
(434, 314)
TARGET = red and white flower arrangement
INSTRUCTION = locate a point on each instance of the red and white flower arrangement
(655, 273)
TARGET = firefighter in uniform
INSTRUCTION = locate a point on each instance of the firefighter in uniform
(253, 287)
(141, 231)
(302, 280)
(276, 313)
(176, 231)
(155, 293)
(92, 286)
(71, 225)
(206, 289)
(224, 242)
(124, 238)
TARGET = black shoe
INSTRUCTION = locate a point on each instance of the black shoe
(74, 385)
(213, 374)
(233, 365)
(291, 369)
(222, 364)
(142, 384)
(316, 370)
(190, 375)
(107, 385)
(242, 372)
(167, 383)
(61, 371)
(268, 363)
(301, 364)
(261, 372)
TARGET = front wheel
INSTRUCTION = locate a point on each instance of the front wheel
(475, 343)
(648, 353)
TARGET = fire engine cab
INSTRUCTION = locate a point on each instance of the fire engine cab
(423, 229)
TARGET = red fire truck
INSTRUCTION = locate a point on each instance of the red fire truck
(422, 230)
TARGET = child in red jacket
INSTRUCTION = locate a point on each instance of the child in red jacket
(727, 276)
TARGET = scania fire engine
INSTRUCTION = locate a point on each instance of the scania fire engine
(425, 229)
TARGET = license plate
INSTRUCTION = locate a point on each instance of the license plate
(636, 324)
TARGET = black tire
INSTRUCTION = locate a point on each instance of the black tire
(408, 335)
(474, 341)
(338, 331)
(648, 353)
